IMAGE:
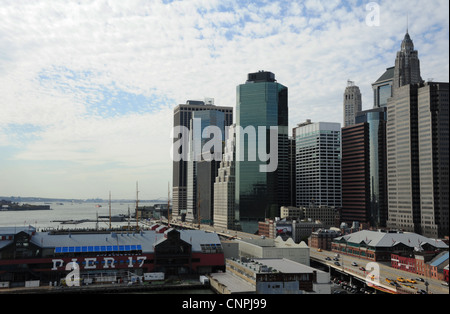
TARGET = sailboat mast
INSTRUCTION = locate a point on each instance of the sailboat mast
(137, 205)
(110, 210)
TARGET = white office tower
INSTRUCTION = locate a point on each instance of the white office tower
(224, 186)
(318, 164)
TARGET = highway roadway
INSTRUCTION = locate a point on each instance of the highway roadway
(384, 269)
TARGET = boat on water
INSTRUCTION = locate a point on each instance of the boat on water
(116, 218)
(9, 206)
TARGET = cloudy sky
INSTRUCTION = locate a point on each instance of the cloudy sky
(88, 88)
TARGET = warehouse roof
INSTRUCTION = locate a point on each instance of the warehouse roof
(383, 239)
(144, 240)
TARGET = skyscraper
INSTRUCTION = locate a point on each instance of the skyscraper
(182, 117)
(417, 149)
(433, 150)
(261, 103)
(202, 120)
(376, 120)
(407, 65)
(382, 88)
(318, 164)
(402, 160)
(352, 103)
(355, 174)
(225, 184)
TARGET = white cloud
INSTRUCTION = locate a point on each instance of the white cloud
(65, 65)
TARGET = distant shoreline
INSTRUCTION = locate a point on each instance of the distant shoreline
(21, 199)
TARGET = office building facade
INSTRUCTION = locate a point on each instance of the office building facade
(433, 150)
(200, 121)
(407, 65)
(382, 88)
(376, 119)
(355, 173)
(417, 149)
(225, 185)
(182, 117)
(318, 164)
(260, 102)
(352, 103)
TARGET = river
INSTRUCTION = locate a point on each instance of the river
(44, 219)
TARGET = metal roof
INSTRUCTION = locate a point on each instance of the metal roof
(440, 259)
(383, 239)
(145, 239)
(388, 75)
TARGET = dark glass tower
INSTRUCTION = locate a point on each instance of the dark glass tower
(261, 101)
(376, 120)
(182, 115)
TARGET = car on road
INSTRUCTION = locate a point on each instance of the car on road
(362, 268)
(411, 280)
(354, 264)
(401, 279)
(420, 279)
(444, 283)
(337, 264)
(421, 291)
(328, 258)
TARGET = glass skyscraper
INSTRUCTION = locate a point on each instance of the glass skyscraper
(260, 102)
(205, 118)
(376, 119)
(182, 115)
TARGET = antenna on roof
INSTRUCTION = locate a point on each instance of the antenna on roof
(407, 23)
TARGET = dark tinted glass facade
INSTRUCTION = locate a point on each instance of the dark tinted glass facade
(355, 173)
(182, 116)
(260, 102)
(376, 119)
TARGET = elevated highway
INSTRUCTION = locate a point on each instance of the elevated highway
(377, 274)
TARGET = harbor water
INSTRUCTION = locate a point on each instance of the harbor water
(65, 212)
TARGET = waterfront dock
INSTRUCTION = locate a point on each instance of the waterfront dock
(111, 288)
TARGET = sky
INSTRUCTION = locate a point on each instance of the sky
(88, 88)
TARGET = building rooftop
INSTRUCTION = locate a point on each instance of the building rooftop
(440, 259)
(278, 242)
(388, 75)
(145, 240)
(383, 239)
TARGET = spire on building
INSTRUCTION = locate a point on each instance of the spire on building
(407, 64)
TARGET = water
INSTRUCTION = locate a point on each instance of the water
(43, 219)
